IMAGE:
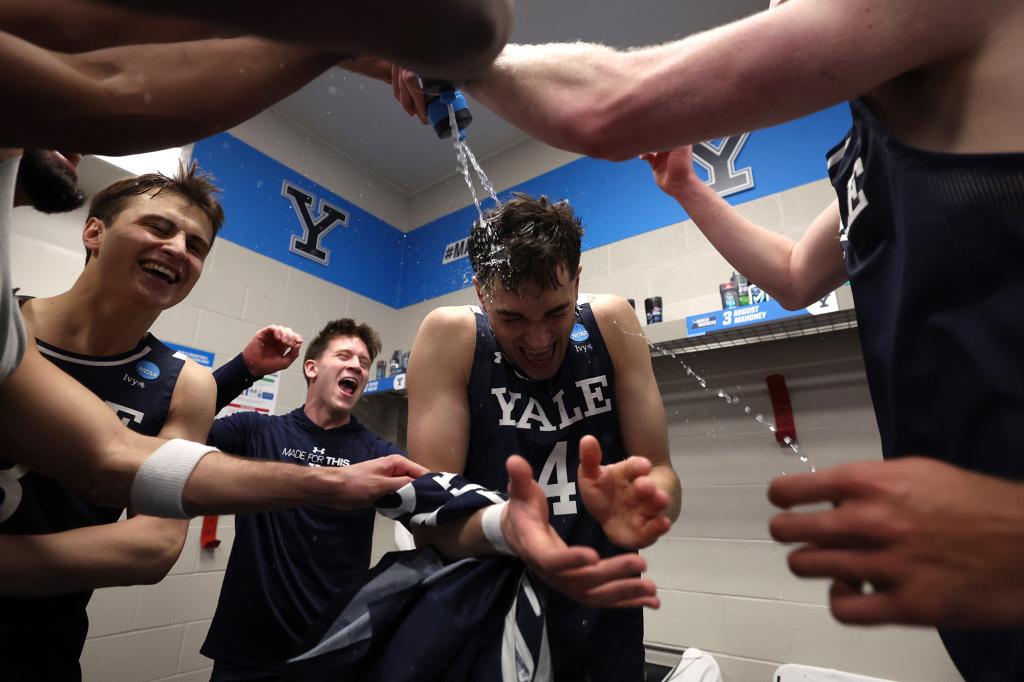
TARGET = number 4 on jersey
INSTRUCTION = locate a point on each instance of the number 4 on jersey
(561, 489)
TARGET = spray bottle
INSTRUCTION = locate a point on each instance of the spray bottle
(439, 95)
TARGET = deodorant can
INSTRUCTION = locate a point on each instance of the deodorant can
(742, 289)
(728, 294)
(653, 308)
(757, 295)
(382, 368)
(405, 361)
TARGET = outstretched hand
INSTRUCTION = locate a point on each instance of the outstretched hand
(271, 349)
(912, 540)
(578, 572)
(622, 497)
(673, 170)
(360, 485)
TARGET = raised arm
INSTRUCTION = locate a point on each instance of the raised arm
(272, 349)
(141, 97)
(771, 67)
(794, 273)
(452, 39)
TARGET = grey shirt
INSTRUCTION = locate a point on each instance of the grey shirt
(12, 330)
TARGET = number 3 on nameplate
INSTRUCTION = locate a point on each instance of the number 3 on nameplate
(561, 489)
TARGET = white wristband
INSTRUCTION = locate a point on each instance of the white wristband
(157, 488)
(491, 523)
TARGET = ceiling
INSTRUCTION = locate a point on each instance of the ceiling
(359, 117)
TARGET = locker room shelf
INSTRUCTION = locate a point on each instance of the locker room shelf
(671, 336)
(770, 331)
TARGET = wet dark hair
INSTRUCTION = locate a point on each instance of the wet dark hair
(346, 326)
(525, 241)
(190, 182)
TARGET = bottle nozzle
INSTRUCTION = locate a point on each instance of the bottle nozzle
(441, 94)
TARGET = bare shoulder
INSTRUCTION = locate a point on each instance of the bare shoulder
(623, 336)
(612, 312)
(448, 326)
(195, 384)
(446, 339)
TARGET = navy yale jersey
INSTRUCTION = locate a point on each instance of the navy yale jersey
(934, 248)
(41, 638)
(287, 565)
(543, 421)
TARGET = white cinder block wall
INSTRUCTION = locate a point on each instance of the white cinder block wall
(724, 584)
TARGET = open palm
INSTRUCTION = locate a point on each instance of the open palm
(622, 497)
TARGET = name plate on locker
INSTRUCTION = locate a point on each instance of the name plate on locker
(392, 383)
(758, 313)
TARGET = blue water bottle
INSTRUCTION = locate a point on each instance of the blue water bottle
(439, 95)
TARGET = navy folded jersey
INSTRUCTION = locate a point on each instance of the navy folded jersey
(933, 246)
(42, 638)
(543, 421)
(287, 565)
(414, 619)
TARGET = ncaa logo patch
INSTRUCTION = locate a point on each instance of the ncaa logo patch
(147, 370)
(579, 333)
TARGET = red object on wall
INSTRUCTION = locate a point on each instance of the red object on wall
(208, 536)
(785, 426)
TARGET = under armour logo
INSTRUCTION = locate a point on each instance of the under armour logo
(319, 451)
(719, 160)
(497, 357)
(313, 231)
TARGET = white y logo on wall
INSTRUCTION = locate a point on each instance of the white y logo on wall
(313, 231)
(719, 160)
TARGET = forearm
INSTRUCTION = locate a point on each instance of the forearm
(615, 104)
(665, 478)
(137, 551)
(233, 377)
(458, 539)
(154, 96)
(552, 91)
(761, 255)
(451, 39)
(82, 25)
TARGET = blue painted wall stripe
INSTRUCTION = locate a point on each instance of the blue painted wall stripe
(614, 200)
(366, 256)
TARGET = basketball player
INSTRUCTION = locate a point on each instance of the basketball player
(929, 200)
(146, 239)
(532, 372)
(287, 566)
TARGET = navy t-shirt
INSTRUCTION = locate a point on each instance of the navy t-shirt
(286, 565)
(543, 421)
(41, 638)
(934, 245)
